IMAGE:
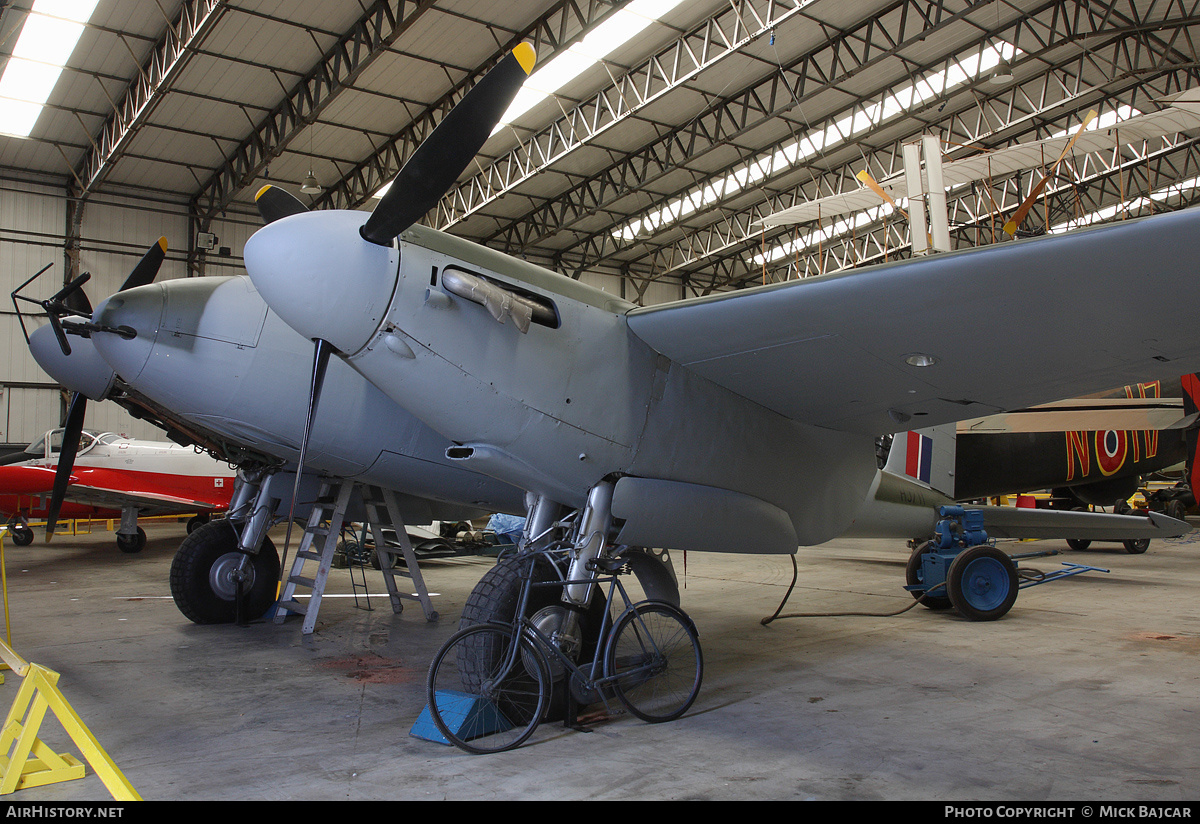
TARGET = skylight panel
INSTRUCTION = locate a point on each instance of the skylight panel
(48, 36)
(606, 38)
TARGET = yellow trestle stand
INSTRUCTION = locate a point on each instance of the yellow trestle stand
(25, 761)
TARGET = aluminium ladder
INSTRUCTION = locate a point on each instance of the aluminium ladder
(383, 511)
(324, 529)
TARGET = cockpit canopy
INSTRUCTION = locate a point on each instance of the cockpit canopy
(50, 444)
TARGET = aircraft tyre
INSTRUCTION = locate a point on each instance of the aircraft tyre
(913, 576)
(202, 582)
(195, 522)
(21, 535)
(132, 543)
(982, 583)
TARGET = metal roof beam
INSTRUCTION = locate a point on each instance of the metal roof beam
(371, 35)
(196, 19)
(1063, 82)
(879, 37)
(561, 26)
(729, 30)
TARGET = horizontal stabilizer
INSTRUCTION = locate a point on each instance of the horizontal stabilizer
(1019, 522)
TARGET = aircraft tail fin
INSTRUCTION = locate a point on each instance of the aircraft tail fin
(927, 456)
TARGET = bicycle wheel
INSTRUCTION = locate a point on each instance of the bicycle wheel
(482, 698)
(654, 651)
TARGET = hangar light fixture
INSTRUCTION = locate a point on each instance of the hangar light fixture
(47, 38)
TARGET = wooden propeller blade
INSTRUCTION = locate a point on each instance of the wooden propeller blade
(1010, 228)
(865, 178)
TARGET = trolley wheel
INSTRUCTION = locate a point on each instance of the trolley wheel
(914, 575)
(1137, 547)
(1175, 509)
(479, 699)
(982, 583)
(655, 645)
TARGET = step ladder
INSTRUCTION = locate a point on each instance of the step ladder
(318, 545)
(383, 512)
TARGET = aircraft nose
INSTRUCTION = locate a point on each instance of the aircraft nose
(322, 278)
(82, 371)
(140, 309)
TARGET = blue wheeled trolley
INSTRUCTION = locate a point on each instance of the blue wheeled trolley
(959, 568)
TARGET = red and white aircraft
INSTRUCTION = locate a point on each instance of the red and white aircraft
(113, 477)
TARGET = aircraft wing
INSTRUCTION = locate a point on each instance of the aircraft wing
(1008, 326)
(149, 502)
(1087, 415)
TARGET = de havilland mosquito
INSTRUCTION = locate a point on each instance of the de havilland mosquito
(734, 422)
(744, 422)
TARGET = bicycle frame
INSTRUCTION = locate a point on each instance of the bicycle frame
(593, 679)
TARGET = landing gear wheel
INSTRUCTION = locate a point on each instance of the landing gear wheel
(483, 695)
(21, 535)
(914, 576)
(656, 646)
(132, 543)
(494, 599)
(204, 575)
(1137, 547)
(982, 583)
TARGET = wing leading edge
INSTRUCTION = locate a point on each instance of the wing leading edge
(1007, 326)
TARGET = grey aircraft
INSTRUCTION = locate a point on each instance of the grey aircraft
(734, 422)
(742, 422)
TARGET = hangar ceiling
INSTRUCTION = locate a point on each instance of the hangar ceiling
(657, 161)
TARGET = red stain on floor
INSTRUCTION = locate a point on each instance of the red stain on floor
(375, 669)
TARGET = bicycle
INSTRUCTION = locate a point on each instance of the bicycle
(490, 684)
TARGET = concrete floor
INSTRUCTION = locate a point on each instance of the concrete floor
(1085, 691)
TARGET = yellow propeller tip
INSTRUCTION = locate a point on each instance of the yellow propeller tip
(1010, 228)
(526, 55)
(259, 193)
(162, 243)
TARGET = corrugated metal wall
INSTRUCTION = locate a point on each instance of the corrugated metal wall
(115, 234)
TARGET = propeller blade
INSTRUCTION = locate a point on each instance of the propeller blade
(1010, 228)
(66, 459)
(441, 158)
(147, 268)
(320, 363)
(274, 203)
(865, 178)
